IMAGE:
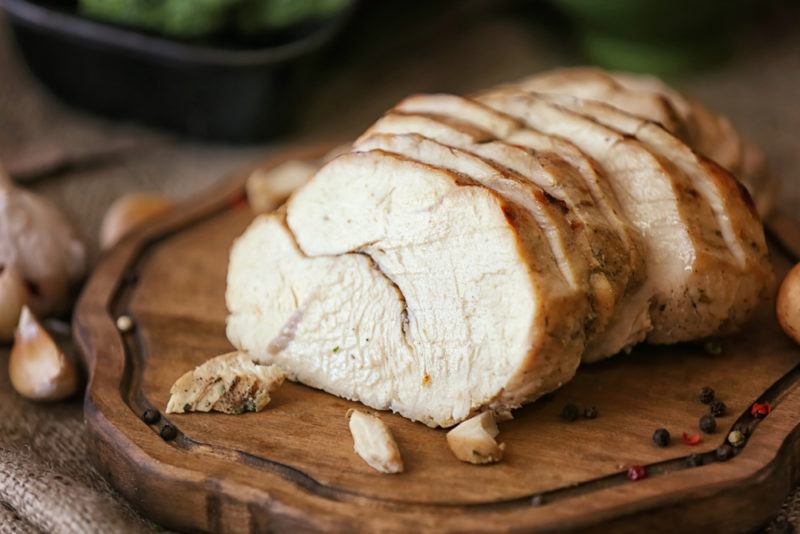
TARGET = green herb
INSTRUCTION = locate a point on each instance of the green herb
(336, 348)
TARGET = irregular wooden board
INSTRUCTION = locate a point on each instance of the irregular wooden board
(293, 466)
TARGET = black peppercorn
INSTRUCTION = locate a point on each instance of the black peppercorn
(661, 437)
(706, 395)
(168, 432)
(151, 416)
(569, 412)
(717, 408)
(590, 412)
(724, 452)
(694, 460)
(707, 424)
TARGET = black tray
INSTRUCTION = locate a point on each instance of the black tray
(232, 93)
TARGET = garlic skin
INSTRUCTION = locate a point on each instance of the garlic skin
(38, 369)
(37, 240)
(373, 441)
(128, 212)
(13, 296)
(473, 440)
(787, 305)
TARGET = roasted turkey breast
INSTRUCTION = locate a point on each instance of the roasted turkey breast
(467, 253)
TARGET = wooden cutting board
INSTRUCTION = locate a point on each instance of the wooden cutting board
(292, 466)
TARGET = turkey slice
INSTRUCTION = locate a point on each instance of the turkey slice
(690, 269)
(736, 216)
(648, 97)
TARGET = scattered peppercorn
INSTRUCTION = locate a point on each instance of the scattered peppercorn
(712, 347)
(590, 412)
(706, 395)
(569, 412)
(760, 410)
(717, 408)
(736, 438)
(151, 416)
(637, 472)
(694, 460)
(743, 428)
(691, 439)
(707, 424)
(661, 437)
(168, 432)
(724, 452)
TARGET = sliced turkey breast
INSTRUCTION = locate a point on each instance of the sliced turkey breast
(648, 97)
(576, 247)
(513, 132)
(559, 203)
(690, 269)
(619, 262)
(736, 216)
(596, 84)
(409, 288)
(705, 131)
(439, 127)
(611, 274)
(461, 108)
(598, 186)
(569, 251)
(565, 248)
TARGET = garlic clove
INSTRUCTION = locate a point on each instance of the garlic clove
(13, 296)
(787, 305)
(267, 189)
(38, 368)
(128, 212)
(38, 240)
(474, 441)
(373, 441)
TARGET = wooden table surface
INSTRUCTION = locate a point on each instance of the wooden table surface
(45, 483)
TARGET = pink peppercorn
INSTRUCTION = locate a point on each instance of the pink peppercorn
(760, 410)
(637, 472)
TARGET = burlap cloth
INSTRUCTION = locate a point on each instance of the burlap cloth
(46, 482)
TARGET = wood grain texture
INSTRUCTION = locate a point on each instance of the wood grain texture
(292, 466)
